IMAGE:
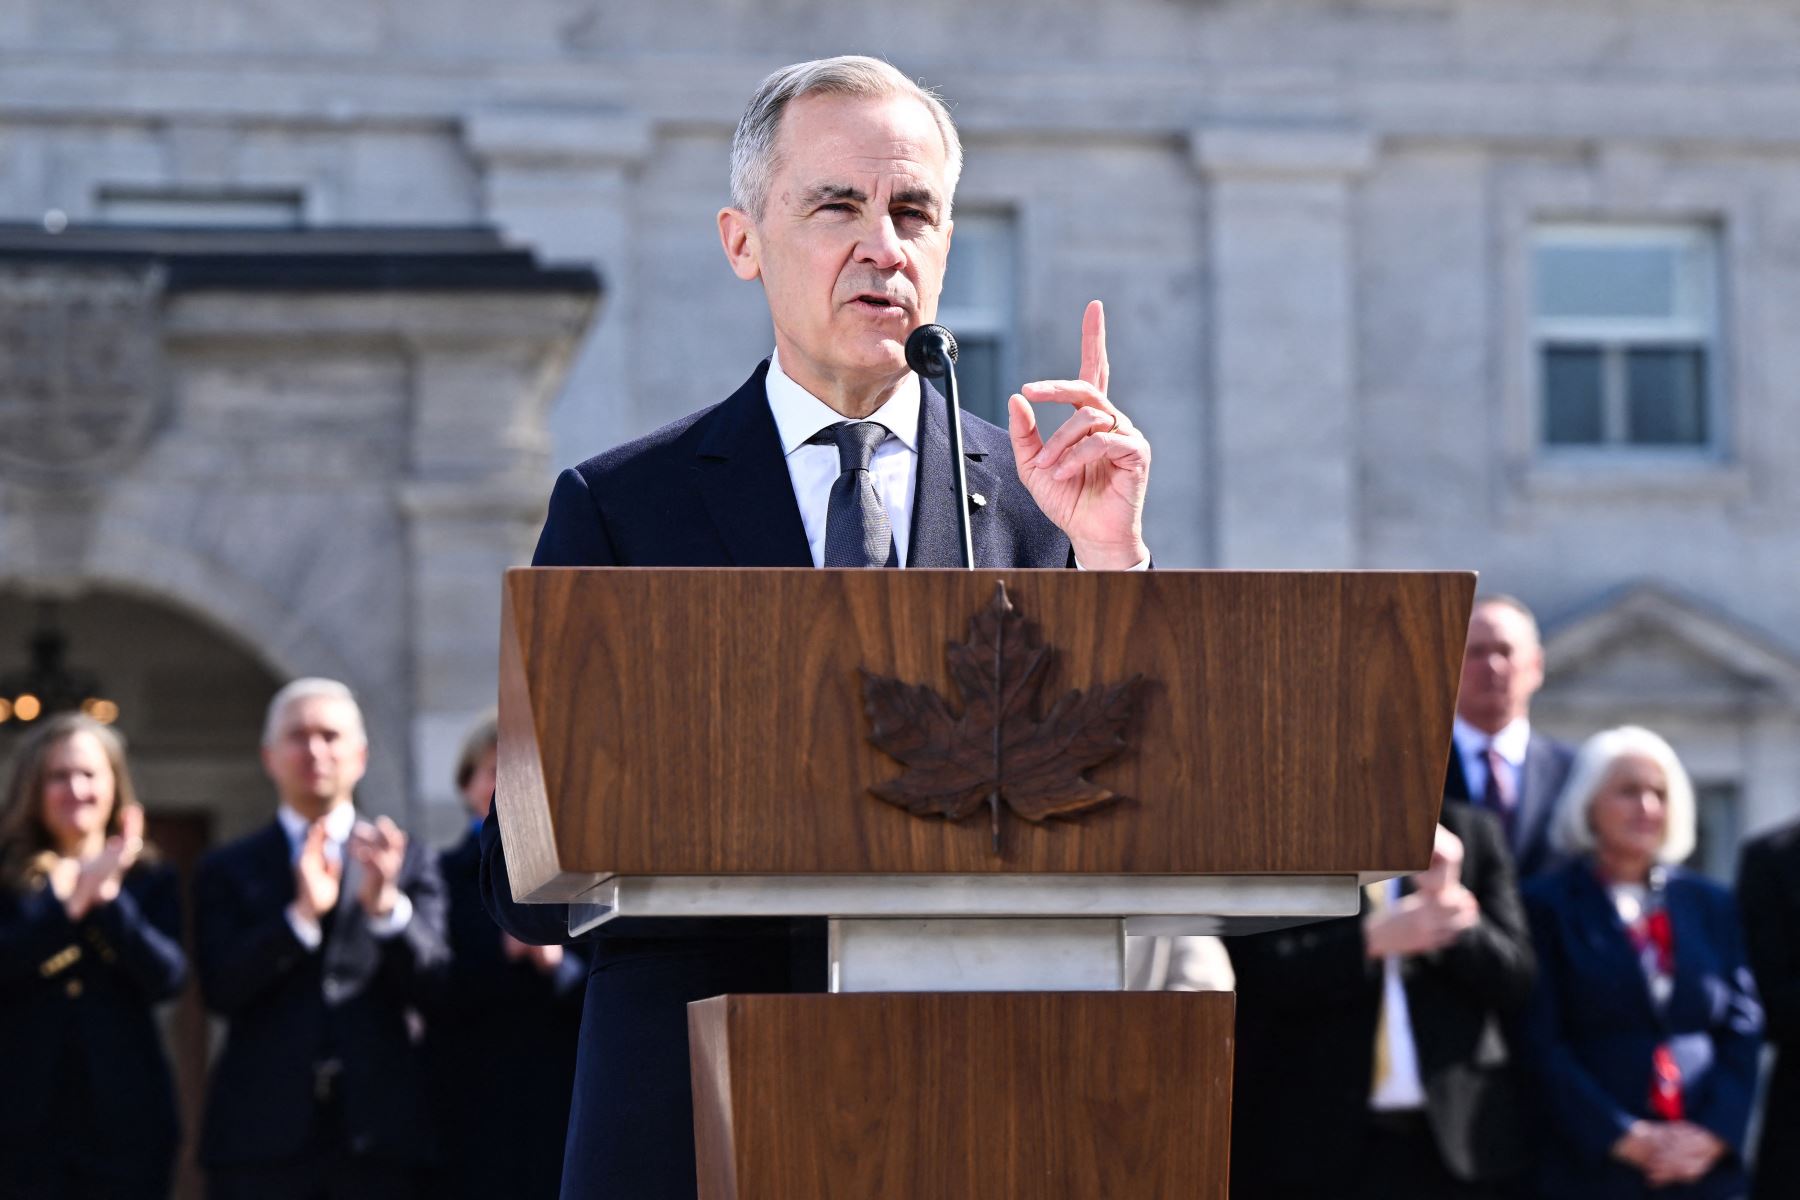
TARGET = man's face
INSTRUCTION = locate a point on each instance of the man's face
(853, 237)
(1503, 665)
(318, 755)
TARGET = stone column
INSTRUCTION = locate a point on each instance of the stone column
(482, 383)
(561, 182)
(1281, 259)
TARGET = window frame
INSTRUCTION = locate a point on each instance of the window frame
(1616, 337)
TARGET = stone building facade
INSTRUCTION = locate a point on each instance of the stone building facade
(1485, 284)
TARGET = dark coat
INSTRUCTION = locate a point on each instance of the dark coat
(288, 1008)
(505, 1031)
(713, 490)
(1769, 902)
(1546, 770)
(1591, 1030)
(83, 1063)
(1309, 1000)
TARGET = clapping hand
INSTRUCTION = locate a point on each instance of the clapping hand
(1437, 912)
(316, 876)
(84, 884)
(380, 848)
(1090, 477)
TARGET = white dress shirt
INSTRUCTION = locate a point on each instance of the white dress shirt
(813, 469)
(339, 824)
(1510, 743)
(1402, 1089)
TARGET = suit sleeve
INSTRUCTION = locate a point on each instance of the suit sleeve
(416, 961)
(1574, 1102)
(33, 927)
(1772, 940)
(1493, 962)
(140, 933)
(238, 958)
(1736, 1034)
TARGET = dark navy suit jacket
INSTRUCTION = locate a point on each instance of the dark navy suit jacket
(1540, 784)
(502, 1052)
(713, 490)
(1591, 1030)
(1769, 903)
(288, 1007)
(78, 1041)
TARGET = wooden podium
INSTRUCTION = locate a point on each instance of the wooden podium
(984, 779)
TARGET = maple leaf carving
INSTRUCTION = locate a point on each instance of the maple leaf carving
(997, 750)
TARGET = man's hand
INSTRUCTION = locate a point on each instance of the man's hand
(1089, 478)
(1421, 922)
(316, 876)
(98, 879)
(1446, 863)
(381, 849)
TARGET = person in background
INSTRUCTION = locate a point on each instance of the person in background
(508, 1026)
(90, 943)
(1499, 762)
(1643, 1031)
(1373, 1060)
(321, 941)
(1768, 883)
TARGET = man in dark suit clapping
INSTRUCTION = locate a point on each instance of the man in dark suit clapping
(1372, 1058)
(320, 938)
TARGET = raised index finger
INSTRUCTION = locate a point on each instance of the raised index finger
(1094, 368)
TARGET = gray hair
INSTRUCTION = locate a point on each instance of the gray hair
(1570, 830)
(307, 689)
(753, 158)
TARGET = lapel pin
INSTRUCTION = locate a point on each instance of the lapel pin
(977, 500)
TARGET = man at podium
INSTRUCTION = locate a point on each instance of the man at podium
(833, 453)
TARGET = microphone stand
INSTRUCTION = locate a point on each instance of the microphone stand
(931, 351)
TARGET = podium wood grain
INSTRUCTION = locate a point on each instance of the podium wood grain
(1023, 1095)
(709, 721)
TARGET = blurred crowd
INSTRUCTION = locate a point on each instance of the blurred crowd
(382, 1037)
(1554, 1008)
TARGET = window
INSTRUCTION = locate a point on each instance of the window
(977, 306)
(1625, 332)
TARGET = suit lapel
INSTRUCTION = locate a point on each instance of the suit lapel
(934, 526)
(744, 479)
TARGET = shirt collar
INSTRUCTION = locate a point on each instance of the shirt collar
(799, 414)
(1510, 743)
(338, 823)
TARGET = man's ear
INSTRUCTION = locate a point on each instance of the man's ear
(737, 233)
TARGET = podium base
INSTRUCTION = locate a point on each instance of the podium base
(996, 1096)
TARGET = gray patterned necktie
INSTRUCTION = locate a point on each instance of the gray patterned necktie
(857, 532)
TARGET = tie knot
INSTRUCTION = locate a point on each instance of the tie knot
(855, 441)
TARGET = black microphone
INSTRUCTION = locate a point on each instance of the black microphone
(931, 351)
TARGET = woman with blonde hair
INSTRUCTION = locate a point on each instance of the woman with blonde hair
(90, 942)
(1643, 1029)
